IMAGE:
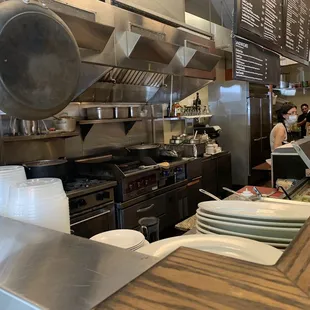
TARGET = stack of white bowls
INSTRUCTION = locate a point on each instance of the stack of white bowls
(128, 239)
(273, 223)
(9, 175)
(41, 202)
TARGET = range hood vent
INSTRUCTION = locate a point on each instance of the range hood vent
(89, 75)
(134, 77)
(194, 56)
(88, 34)
(125, 85)
(148, 47)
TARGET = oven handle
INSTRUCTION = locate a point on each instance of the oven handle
(146, 209)
(91, 218)
(194, 182)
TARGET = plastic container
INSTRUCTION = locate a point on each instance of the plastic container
(37, 189)
(9, 175)
(53, 215)
(41, 202)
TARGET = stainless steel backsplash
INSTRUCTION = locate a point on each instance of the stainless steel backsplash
(101, 138)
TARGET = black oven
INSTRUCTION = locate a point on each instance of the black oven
(93, 221)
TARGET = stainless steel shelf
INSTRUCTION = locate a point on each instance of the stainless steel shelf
(183, 117)
(108, 121)
(40, 137)
(197, 116)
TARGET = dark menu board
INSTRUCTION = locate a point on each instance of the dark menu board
(253, 63)
(282, 26)
(297, 27)
(262, 17)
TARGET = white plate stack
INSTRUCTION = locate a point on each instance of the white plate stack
(9, 175)
(41, 202)
(272, 223)
(123, 238)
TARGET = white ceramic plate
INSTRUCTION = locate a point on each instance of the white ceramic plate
(239, 248)
(219, 231)
(122, 238)
(140, 245)
(281, 246)
(201, 231)
(257, 210)
(249, 221)
(266, 231)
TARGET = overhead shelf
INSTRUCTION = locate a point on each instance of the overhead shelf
(108, 121)
(197, 116)
(40, 137)
(183, 117)
(86, 125)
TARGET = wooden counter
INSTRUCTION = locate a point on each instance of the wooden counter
(192, 279)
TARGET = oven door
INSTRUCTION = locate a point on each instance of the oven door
(93, 222)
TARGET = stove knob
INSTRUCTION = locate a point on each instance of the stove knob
(73, 204)
(146, 182)
(166, 173)
(81, 202)
(130, 187)
(139, 184)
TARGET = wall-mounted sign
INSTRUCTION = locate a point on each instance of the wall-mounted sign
(254, 63)
(279, 25)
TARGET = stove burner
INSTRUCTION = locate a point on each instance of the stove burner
(81, 183)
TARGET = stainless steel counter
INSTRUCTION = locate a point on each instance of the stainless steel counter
(52, 270)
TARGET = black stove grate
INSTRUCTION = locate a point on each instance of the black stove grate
(81, 183)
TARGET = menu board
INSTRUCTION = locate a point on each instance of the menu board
(263, 18)
(297, 27)
(282, 26)
(254, 63)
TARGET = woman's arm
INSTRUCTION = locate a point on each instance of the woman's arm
(279, 136)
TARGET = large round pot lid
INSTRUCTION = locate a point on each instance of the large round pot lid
(39, 61)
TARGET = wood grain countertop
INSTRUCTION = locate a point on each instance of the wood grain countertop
(192, 279)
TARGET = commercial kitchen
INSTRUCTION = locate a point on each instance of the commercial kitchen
(136, 169)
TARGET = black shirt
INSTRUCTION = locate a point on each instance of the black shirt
(303, 127)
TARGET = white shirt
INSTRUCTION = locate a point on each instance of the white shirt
(272, 137)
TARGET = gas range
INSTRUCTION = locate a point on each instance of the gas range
(91, 203)
(133, 180)
(83, 186)
(85, 193)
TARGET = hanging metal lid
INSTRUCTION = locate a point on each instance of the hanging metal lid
(39, 61)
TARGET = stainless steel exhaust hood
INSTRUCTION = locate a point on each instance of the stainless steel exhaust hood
(88, 34)
(125, 85)
(138, 56)
(195, 56)
(137, 46)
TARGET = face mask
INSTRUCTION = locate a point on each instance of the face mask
(292, 119)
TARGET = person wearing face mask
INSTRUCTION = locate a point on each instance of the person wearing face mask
(287, 116)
